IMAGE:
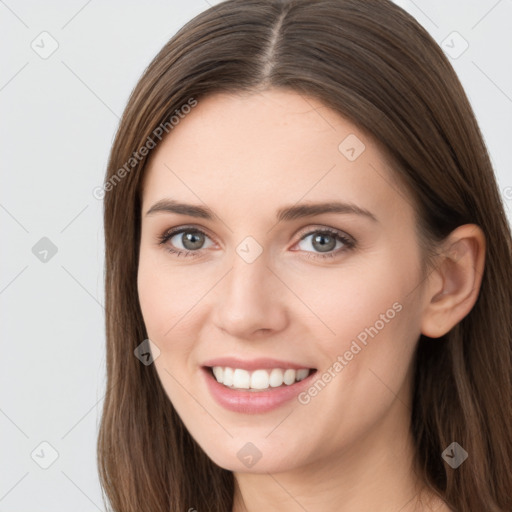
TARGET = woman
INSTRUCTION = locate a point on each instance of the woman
(308, 273)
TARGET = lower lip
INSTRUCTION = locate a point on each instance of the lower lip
(254, 402)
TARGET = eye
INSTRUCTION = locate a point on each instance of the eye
(191, 240)
(325, 241)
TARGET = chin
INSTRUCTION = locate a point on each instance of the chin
(247, 457)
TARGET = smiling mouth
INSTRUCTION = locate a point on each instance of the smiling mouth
(258, 380)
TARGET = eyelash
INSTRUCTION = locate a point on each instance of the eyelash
(348, 243)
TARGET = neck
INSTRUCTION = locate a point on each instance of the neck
(376, 473)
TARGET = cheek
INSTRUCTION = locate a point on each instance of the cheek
(370, 321)
(366, 364)
(165, 295)
(153, 302)
(165, 303)
(349, 303)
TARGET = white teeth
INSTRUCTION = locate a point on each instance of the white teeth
(289, 376)
(218, 371)
(228, 377)
(258, 379)
(302, 374)
(241, 379)
(276, 378)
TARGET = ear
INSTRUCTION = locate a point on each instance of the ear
(454, 284)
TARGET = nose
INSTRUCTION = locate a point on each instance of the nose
(250, 299)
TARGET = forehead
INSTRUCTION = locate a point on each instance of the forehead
(270, 125)
(270, 148)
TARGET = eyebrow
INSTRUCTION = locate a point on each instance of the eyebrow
(287, 213)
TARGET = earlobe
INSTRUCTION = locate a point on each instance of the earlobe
(453, 286)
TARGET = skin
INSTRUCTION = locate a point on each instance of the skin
(245, 156)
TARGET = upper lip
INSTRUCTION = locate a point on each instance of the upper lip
(262, 363)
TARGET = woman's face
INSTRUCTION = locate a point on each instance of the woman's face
(263, 289)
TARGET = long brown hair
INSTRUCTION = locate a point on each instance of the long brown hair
(375, 65)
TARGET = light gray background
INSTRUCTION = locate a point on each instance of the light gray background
(58, 118)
